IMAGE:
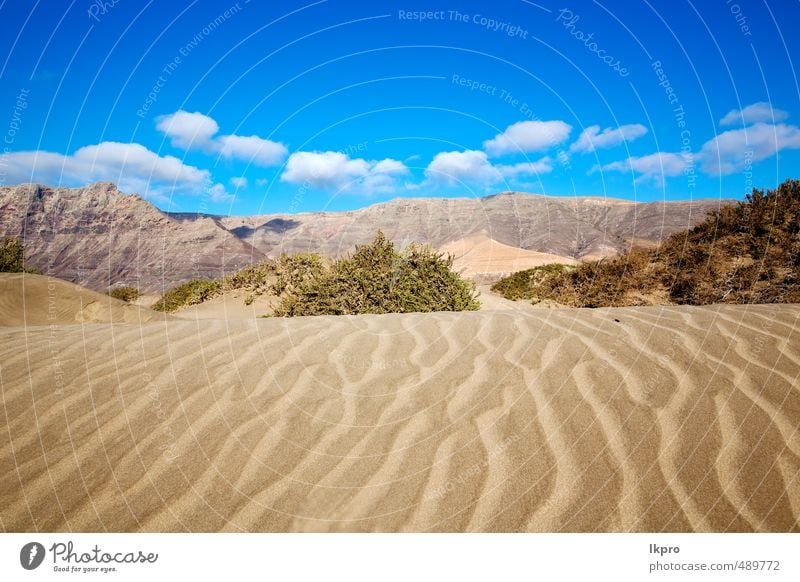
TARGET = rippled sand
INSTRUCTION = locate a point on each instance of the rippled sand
(634, 419)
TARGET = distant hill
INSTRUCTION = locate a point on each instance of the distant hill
(97, 236)
(745, 253)
(566, 226)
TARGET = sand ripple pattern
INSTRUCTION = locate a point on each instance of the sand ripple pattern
(635, 419)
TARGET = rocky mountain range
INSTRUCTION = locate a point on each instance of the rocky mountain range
(98, 237)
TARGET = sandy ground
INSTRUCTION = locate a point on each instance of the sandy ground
(482, 258)
(491, 301)
(230, 305)
(634, 419)
(41, 300)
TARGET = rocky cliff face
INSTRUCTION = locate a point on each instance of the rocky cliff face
(578, 228)
(98, 237)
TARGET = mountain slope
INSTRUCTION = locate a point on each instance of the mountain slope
(564, 226)
(98, 236)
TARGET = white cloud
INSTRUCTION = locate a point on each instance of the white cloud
(757, 112)
(239, 182)
(251, 148)
(472, 166)
(188, 130)
(653, 167)
(389, 166)
(133, 167)
(731, 150)
(219, 195)
(592, 138)
(528, 136)
(542, 166)
(335, 171)
(457, 167)
(326, 170)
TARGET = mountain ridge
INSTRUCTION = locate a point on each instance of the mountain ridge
(508, 193)
(99, 237)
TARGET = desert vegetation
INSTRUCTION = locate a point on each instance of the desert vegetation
(743, 253)
(375, 278)
(127, 294)
(189, 293)
(12, 256)
(523, 284)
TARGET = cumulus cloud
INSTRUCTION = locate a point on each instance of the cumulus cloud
(542, 166)
(239, 182)
(458, 167)
(653, 167)
(757, 112)
(472, 166)
(325, 170)
(732, 150)
(251, 148)
(336, 171)
(188, 130)
(219, 195)
(389, 166)
(528, 136)
(133, 167)
(592, 138)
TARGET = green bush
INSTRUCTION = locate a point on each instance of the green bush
(12, 255)
(294, 271)
(127, 294)
(189, 293)
(255, 277)
(523, 284)
(378, 279)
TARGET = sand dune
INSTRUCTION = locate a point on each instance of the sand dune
(39, 300)
(485, 259)
(635, 419)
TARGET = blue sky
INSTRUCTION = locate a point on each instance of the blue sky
(253, 107)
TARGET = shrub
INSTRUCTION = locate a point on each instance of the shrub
(256, 278)
(12, 255)
(744, 253)
(622, 280)
(189, 293)
(295, 271)
(523, 284)
(127, 294)
(378, 279)
(748, 252)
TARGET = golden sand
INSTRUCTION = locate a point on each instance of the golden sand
(633, 419)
